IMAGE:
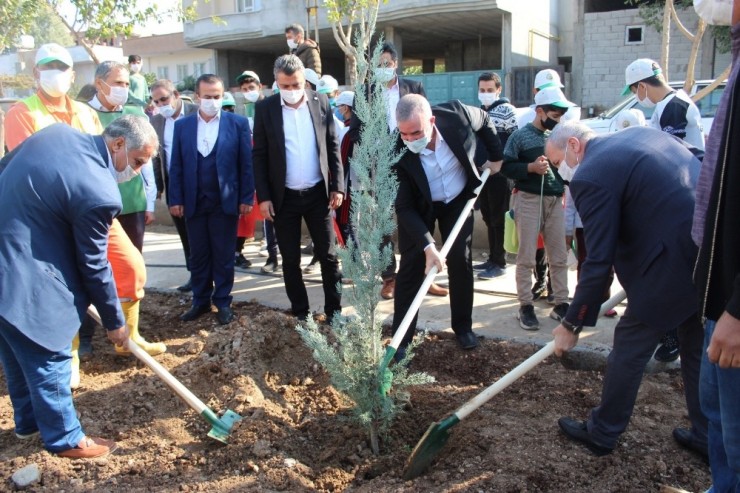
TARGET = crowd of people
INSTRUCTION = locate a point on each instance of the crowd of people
(649, 203)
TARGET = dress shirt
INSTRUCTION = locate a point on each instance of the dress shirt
(445, 174)
(169, 130)
(207, 133)
(301, 155)
(97, 105)
(393, 94)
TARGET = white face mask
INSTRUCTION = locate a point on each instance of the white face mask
(715, 12)
(487, 98)
(565, 171)
(418, 145)
(384, 74)
(252, 96)
(292, 97)
(292, 44)
(135, 67)
(645, 103)
(117, 96)
(128, 172)
(55, 83)
(166, 111)
(211, 107)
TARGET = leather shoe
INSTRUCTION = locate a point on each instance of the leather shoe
(89, 448)
(687, 440)
(195, 312)
(388, 290)
(467, 340)
(224, 315)
(188, 286)
(437, 290)
(578, 431)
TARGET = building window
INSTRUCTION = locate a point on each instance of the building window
(163, 72)
(634, 35)
(246, 5)
(182, 72)
(199, 69)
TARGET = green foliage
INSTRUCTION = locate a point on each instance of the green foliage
(17, 16)
(187, 84)
(48, 28)
(347, 11)
(353, 352)
(150, 77)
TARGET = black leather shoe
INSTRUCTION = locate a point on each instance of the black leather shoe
(467, 340)
(689, 441)
(188, 286)
(577, 430)
(668, 350)
(195, 312)
(225, 315)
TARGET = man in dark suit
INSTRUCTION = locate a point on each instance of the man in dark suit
(436, 178)
(211, 183)
(58, 197)
(170, 109)
(634, 191)
(298, 174)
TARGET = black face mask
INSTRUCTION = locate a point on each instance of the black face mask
(549, 124)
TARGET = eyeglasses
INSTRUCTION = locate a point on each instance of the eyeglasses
(163, 99)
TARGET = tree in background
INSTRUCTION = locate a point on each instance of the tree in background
(47, 27)
(17, 16)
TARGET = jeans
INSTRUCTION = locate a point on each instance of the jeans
(719, 393)
(38, 385)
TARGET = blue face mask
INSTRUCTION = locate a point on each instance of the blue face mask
(338, 114)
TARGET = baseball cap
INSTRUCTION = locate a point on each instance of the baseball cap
(312, 76)
(228, 99)
(552, 96)
(630, 117)
(640, 69)
(246, 74)
(346, 97)
(547, 78)
(327, 84)
(52, 51)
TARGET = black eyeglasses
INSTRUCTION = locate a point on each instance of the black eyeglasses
(163, 99)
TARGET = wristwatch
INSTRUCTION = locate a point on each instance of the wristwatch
(576, 329)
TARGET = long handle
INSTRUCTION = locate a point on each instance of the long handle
(406, 321)
(525, 366)
(185, 394)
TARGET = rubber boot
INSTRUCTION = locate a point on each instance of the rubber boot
(74, 381)
(131, 314)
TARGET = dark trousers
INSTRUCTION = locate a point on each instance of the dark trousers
(494, 202)
(182, 231)
(634, 344)
(311, 205)
(133, 224)
(390, 270)
(459, 269)
(212, 235)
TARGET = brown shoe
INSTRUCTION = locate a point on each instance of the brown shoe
(437, 290)
(388, 290)
(89, 448)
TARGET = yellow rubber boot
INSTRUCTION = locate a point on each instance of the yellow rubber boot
(131, 314)
(74, 381)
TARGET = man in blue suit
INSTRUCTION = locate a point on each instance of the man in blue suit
(211, 183)
(58, 197)
(634, 191)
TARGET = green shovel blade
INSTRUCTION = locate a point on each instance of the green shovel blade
(430, 444)
(221, 426)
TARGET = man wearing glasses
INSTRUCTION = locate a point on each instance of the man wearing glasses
(170, 108)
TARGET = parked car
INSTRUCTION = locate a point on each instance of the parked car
(707, 107)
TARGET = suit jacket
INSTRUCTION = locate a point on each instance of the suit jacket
(233, 163)
(269, 147)
(58, 198)
(160, 161)
(634, 191)
(460, 126)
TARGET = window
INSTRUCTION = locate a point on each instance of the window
(199, 69)
(245, 5)
(163, 72)
(634, 35)
(182, 72)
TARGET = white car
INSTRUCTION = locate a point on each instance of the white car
(605, 122)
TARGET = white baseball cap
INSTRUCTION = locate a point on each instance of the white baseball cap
(552, 96)
(312, 76)
(51, 52)
(327, 84)
(346, 97)
(630, 117)
(640, 69)
(547, 78)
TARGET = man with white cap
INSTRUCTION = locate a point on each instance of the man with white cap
(538, 205)
(544, 79)
(626, 118)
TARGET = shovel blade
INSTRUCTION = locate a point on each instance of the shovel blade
(222, 426)
(428, 447)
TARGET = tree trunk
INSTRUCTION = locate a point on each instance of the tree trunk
(374, 443)
(665, 44)
(691, 67)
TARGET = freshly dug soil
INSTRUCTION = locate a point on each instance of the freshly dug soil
(296, 436)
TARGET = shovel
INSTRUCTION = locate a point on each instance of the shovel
(438, 433)
(390, 350)
(221, 427)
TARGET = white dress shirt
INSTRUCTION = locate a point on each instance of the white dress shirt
(97, 105)
(169, 130)
(207, 133)
(301, 154)
(445, 174)
(393, 94)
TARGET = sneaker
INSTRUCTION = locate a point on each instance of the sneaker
(483, 266)
(668, 349)
(242, 263)
(527, 318)
(89, 448)
(27, 436)
(491, 273)
(270, 266)
(308, 249)
(538, 292)
(550, 299)
(313, 267)
(558, 313)
(263, 251)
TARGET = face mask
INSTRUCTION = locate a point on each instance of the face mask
(211, 106)
(292, 44)
(549, 124)
(135, 67)
(333, 102)
(715, 12)
(128, 173)
(384, 74)
(418, 145)
(117, 95)
(338, 114)
(487, 98)
(55, 83)
(645, 103)
(166, 111)
(564, 170)
(292, 97)
(251, 96)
